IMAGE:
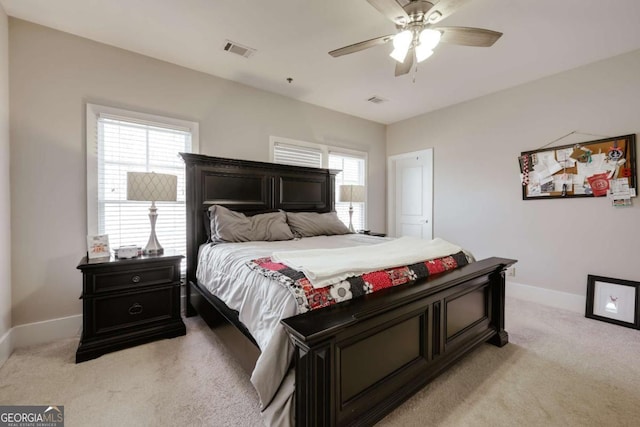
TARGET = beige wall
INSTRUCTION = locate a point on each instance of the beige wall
(477, 200)
(54, 74)
(5, 210)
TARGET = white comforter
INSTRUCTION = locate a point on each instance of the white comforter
(261, 304)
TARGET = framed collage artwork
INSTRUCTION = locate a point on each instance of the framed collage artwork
(606, 167)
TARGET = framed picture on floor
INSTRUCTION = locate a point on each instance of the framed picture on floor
(613, 300)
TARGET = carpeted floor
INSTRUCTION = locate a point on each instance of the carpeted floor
(559, 369)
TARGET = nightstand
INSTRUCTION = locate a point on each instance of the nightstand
(126, 302)
(372, 233)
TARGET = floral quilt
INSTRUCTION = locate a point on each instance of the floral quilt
(310, 298)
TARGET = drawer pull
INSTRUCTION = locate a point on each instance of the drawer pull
(136, 308)
(135, 279)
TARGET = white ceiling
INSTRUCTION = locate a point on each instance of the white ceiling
(292, 38)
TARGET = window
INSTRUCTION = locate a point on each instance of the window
(352, 163)
(353, 172)
(288, 154)
(118, 142)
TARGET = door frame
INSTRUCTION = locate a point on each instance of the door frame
(391, 187)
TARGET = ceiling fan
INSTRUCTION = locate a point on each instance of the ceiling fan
(417, 35)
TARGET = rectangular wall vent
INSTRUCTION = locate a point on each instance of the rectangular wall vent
(238, 49)
(376, 100)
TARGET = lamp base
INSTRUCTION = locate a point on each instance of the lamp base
(351, 229)
(153, 246)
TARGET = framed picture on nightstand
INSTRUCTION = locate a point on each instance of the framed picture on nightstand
(98, 246)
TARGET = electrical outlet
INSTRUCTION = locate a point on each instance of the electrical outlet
(511, 271)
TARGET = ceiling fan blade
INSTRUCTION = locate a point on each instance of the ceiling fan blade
(404, 67)
(361, 46)
(391, 9)
(444, 8)
(466, 36)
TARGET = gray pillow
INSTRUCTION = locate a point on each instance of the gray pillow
(231, 226)
(308, 224)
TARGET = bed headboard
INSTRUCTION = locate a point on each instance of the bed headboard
(249, 187)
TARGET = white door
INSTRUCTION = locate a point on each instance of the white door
(414, 195)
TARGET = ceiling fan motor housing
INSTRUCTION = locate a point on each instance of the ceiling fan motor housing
(417, 11)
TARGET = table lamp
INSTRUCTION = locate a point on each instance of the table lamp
(352, 194)
(153, 187)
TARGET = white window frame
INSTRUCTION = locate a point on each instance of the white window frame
(92, 114)
(326, 151)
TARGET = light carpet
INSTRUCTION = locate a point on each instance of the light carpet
(559, 369)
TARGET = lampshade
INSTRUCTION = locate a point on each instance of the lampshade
(401, 44)
(151, 186)
(352, 193)
(422, 53)
(430, 38)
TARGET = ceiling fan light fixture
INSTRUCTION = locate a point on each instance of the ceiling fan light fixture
(430, 38)
(399, 54)
(422, 53)
(401, 44)
(402, 40)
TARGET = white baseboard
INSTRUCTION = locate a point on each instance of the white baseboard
(548, 297)
(38, 333)
(46, 331)
(5, 347)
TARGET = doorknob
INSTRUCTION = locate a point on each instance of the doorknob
(426, 221)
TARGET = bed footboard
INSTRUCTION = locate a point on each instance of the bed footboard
(358, 361)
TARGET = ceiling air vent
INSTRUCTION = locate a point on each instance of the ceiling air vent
(376, 100)
(238, 49)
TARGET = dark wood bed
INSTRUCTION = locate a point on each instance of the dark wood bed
(358, 360)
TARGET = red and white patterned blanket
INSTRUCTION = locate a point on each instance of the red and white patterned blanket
(310, 298)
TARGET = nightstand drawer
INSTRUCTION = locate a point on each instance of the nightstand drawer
(133, 309)
(133, 277)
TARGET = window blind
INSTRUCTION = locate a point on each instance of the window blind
(353, 172)
(287, 154)
(133, 145)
